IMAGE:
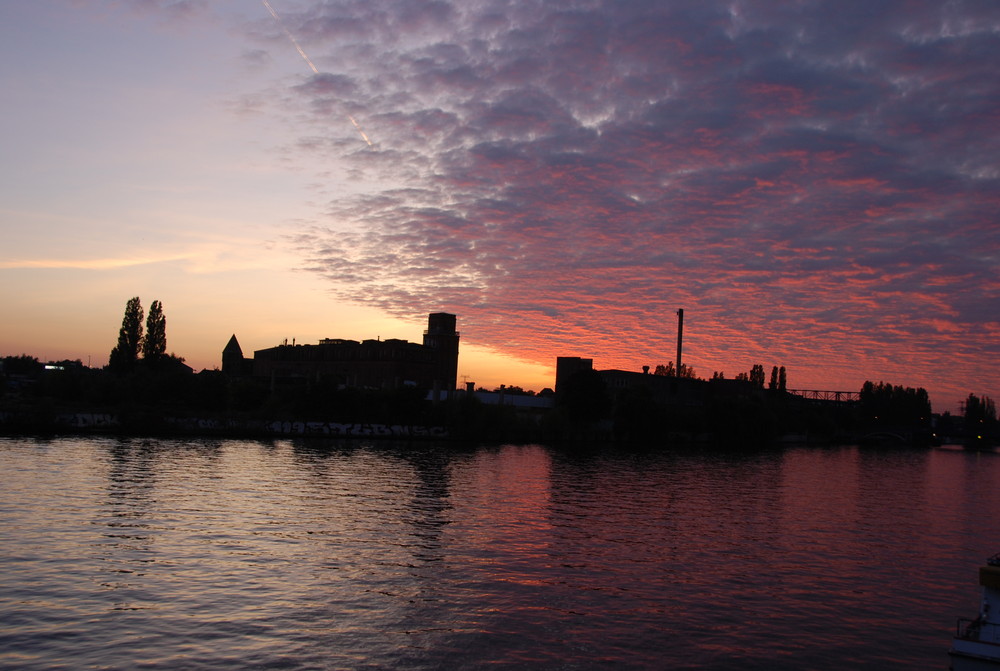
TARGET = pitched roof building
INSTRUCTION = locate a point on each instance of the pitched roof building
(372, 364)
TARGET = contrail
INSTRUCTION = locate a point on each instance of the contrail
(359, 130)
(305, 57)
(291, 38)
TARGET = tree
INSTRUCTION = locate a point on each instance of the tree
(980, 415)
(757, 375)
(126, 352)
(894, 404)
(773, 384)
(20, 365)
(980, 419)
(666, 371)
(669, 370)
(154, 344)
(979, 409)
(782, 380)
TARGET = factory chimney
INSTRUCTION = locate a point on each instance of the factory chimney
(680, 338)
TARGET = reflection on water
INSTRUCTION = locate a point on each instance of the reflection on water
(240, 554)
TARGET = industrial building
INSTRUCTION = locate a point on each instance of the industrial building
(368, 364)
(665, 389)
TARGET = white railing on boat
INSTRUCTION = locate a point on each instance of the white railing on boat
(972, 630)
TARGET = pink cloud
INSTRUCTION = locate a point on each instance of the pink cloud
(815, 189)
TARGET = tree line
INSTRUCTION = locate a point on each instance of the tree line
(134, 345)
(755, 376)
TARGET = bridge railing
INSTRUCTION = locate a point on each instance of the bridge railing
(827, 395)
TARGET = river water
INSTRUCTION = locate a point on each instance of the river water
(209, 554)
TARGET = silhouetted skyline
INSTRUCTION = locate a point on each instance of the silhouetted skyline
(816, 185)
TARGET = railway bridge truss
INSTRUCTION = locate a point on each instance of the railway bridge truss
(827, 396)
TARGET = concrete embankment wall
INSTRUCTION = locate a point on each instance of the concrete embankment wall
(107, 422)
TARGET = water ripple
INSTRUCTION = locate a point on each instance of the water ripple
(121, 554)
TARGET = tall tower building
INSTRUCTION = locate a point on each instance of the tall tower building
(233, 362)
(442, 337)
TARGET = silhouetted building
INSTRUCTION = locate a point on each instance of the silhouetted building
(567, 366)
(370, 364)
(233, 361)
(663, 388)
(441, 338)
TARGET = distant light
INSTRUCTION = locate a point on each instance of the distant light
(50, 366)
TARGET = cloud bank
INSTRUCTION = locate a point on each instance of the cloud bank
(815, 183)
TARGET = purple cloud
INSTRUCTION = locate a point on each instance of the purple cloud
(817, 184)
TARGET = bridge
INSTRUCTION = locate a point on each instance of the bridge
(827, 396)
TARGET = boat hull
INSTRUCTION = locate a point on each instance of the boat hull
(967, 655)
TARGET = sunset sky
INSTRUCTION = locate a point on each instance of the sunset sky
(816, 184)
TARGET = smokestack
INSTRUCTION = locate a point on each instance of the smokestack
(680, 338)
